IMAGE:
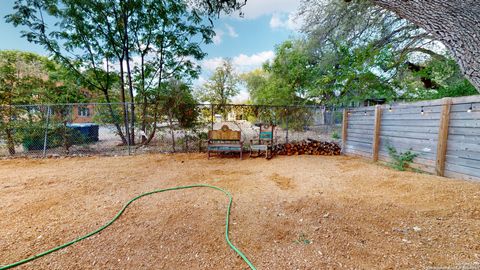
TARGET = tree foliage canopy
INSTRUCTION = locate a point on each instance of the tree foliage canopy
(222, 85)
(356, 51)
(144, 43)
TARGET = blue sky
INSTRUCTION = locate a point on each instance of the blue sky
(248, 41)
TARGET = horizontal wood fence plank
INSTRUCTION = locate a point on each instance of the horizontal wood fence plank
(359, 152)
(452, 174)
(419, 160)
(465, 115)
(470, 123)
(465, 107)
(398, 110)
(360, 137)
(463, 161)
(359, 127)
(475, 172)
(463, 139)
(361, 132)
(433, 130)
(408, 141)
(469, 131)
(417, 116)
(473, 155)
(362, 149)
(360, 122)
(361, 117)
(359, 144)
(422, 152)
(429, 168)
(459, 145)
(409, 135)
(415, 123)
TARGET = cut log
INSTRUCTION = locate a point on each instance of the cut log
(308, 147)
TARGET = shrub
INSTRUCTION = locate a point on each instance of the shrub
(335, 135)
(401, 161)
(34, 136)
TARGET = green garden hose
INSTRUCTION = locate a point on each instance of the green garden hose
(121, 212)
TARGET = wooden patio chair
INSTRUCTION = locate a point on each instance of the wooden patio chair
(263, 145)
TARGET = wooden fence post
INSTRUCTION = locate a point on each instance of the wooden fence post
(443, 137)
(344, 129)
(376, 134)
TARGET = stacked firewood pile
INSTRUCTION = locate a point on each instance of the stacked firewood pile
(308, 147)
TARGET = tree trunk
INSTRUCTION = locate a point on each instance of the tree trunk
(145, 100)
(125, 107)
(160, 74)
(132, 106)
(109, 105)
(154, 130)
(10, 142)
(126, 48)
(113, 115)
(66, 138)
(456, 23)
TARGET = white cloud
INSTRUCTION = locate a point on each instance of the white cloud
(256, 8)
(245, 63)
(290, 21)
(231, 31)
(241, 63)
(209, 65)
(217, 39)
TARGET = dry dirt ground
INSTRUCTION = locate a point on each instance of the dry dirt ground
(303, 212)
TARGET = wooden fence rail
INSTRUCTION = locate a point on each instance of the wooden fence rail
(444, 133)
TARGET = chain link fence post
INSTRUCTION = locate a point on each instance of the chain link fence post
(46, 132)
(286, 124)
(212, 116)
(9, 133)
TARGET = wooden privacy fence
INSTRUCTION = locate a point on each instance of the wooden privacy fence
(444, 133)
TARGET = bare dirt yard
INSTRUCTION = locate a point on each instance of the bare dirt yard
(302, 212)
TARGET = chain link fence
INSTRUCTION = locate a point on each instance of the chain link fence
(125, 128)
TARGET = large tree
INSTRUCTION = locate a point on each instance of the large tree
(456, 23)
(101, 36)
(285, 80)
(329, 23)
(299, 75)
(222, 85)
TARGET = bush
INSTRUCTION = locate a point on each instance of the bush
(401, 161)
(33, 138)
(335, 135)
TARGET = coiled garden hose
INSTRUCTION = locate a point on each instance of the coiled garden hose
(123, 210)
